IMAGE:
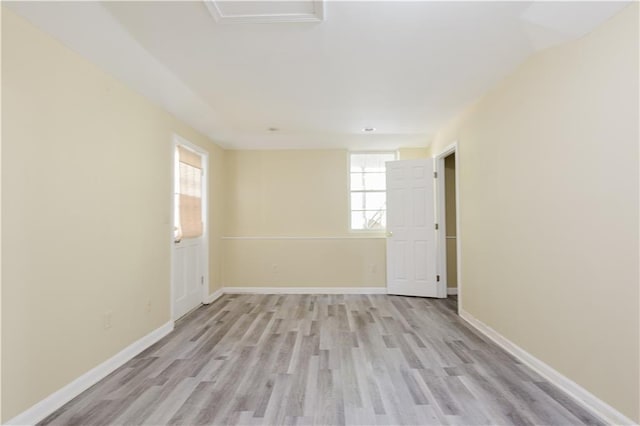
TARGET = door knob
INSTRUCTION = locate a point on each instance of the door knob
(389, 234)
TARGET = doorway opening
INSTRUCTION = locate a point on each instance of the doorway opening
(189, 236)
(447, 166)
(450, 214)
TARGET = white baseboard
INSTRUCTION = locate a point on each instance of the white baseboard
(305, 290)
(585, 398)
(452, 291)
(57, 399)
(213, 296)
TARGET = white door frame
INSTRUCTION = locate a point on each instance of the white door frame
(441, 217)
(175, 141)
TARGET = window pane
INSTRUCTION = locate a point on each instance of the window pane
(368, 200)
(357, 201)
(357, 182)
(369, 219)
(375, 181)
(368, 181)
(375, 219)
(375, 201)
(373, 162)
(357, 220)
(190, 180)
(189, 197)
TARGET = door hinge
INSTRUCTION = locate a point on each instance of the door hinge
(438, 278)
(436, 226)
(435, 175)
(202, 280)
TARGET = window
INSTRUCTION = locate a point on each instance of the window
(188, 202)
(368, 190)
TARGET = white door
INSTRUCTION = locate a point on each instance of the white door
(187, 276)
(189, 260)
(411, 236)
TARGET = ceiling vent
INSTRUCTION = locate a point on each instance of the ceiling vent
(253, 12)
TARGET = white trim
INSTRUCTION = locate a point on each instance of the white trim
(305, 290)
(213, 296)
(177, 140)
(458, 228)
(452, 291)
(350, 237)
(60, 397)
(442, 240)
(441, 220)
(582, 396)
(316, 16)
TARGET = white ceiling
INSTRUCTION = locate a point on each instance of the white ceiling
(404, 68)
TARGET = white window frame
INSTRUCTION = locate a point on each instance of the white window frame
(349, 190)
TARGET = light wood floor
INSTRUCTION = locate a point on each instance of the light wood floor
(323, 359)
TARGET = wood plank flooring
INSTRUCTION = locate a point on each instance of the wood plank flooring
(325, 360)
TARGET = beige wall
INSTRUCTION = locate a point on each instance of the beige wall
(333, 262)
(288, 192)
(288, 223)
(548, 167)
(217, 198)
(450, 219)
(413, 153)
(86, 203)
